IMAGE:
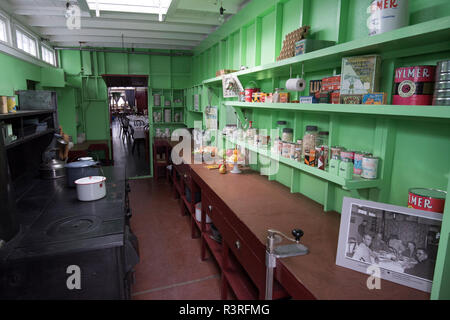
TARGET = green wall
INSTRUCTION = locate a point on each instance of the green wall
(416, 152)
(15, 73)
(84, 69)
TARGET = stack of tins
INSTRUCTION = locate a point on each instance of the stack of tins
(414, 85)
(441, 95)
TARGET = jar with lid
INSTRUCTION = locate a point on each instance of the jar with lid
(309, 139)
(276, 95)
(281, 125)
(322, 138)
(288, 135)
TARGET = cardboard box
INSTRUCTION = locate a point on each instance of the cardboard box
(224, 71)
(309, 45)
(360, 75)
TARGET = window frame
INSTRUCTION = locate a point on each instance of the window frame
(31, 37)
(6, 21)
(51, 50)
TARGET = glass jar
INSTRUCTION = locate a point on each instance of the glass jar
(276, 96)
(322, 138)
(309, 139)
(288, 135)
(281, 125)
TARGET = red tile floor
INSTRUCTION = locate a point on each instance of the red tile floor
(170, 267)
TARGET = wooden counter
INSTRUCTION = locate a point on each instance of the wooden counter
(253, 205)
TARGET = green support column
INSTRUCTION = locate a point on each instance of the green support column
(258, 36)
(278, 28)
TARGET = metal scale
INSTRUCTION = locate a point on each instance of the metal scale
(278, 252)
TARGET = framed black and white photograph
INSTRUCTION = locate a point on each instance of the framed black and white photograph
(400, 241)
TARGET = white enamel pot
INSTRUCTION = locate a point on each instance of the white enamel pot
(91, 188)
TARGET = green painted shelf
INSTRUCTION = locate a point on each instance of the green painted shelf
(441, 112)
(425, 37)
(354, 184)
(169, 124)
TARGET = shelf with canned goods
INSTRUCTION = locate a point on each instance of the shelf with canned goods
(348, 184)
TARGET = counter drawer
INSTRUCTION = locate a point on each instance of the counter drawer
(240, 249)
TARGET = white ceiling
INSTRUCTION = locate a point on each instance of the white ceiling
(186, 24)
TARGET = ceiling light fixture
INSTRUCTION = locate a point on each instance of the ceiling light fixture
(158, 7)
(221, 13)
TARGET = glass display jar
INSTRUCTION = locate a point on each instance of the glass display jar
(309, 139)
(281, 125)
(323, 138)
(288, 135)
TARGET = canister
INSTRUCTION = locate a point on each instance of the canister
(286, 150)
(167, 115)
(11, 102)
(346, 169)
(357, 163)
(348, 155)
(249, 90)
(414, 85)
(336, 151)
(3, 104)
(334, 165)
(387, 15)
(427, 199)
(297, 153)
(441, 96)
(369, 167)
(157, 100)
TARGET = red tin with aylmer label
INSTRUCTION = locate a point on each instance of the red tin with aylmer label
(414, 85)
(427, 199)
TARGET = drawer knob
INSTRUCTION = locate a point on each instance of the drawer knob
(237, 244)
(185, 176)
(210, 208)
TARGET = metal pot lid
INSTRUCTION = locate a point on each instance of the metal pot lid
(53, 165)
(81, 164)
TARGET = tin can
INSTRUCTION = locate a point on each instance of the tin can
(348, 155)
(387, 15)
(414, 85)
(427, 199)
(249, 94)
(336, 151)
(369, 167)
(357, 163)
(286, 150)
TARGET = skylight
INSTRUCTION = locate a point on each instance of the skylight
(135, 6)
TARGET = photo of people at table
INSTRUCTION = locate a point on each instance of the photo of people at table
(393, 241)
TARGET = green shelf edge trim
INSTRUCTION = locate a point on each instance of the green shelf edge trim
(441, 112)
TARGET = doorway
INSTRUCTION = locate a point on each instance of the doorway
(129, 123)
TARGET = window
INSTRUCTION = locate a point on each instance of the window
(3, 34)
(48, 55)
(26, 43)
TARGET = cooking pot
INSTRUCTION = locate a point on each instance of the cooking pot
(81, 169)
(91, 188)
(53, 169)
